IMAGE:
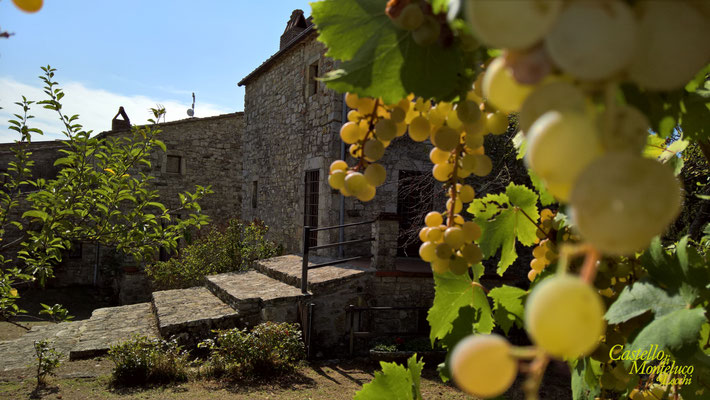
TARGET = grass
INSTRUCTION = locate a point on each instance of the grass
(326, 381)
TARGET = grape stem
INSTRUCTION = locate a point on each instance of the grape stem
(525, 353)
(589, 268)
(536, 372)
(452, 190)
(478, 284)
(539, 227)
(370, 132)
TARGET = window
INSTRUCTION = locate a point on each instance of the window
(312, 82)
(254, 193)
(173, 164)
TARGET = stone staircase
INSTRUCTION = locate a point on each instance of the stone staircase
(270, 292)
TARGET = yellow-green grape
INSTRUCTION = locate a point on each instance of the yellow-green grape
(351, 100)
(437, 117)
(557, 95)
(433, 219)
(419, 129)
(410, 18)
(355, 150)
(593, 40)
(675, 46)
(482, 365)
(438, 156)
(565, 317)
(373, 150)
(532, 274)
(336, 180)
(560, 146)
(338, 165)
(472, 253)
(468, 162)
(434, 234)
(375, 174)
(350, 132)
(468, 112)
(467, 194)
(458, 219)
(401, 129)
(458, 265)
(621, 201)
(428, 32)
(422, 105)
(397, 115)
(423, 233)
(463, 173)
(501, 88)
(354, 116)
(497, 123)
(484, 165)
(628, 131)
(453, 236)
(537, 264)
(366, 194)
(440, 266)
(385, 129)
(453, 122)
(442, 172)
(355, 182)
(471, 231)
(443, 251)
(427, 251)
(445, 138)
(474, 140)
(457, 205)
(539, 251)
(477, 128)
(366, 105)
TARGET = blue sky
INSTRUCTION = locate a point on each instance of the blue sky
(136, 54)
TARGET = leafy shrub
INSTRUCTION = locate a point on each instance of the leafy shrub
(47, 360)
(270, 348)
(234, 247)
(141, 360)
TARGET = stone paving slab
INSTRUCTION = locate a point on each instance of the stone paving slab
(250, 286)
(288, 269)
(193, 311)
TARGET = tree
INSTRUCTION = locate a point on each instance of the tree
(101, 194)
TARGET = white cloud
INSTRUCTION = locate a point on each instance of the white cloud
(95, 107)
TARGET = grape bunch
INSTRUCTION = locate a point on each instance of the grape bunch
(546, 250)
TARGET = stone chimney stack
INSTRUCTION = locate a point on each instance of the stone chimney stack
(121, 124)
(296, 24)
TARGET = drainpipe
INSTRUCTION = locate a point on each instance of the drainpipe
(341, 231)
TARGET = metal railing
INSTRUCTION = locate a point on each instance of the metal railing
(307, 247)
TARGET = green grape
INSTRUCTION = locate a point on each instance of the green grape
(435, 234)
(457, 205)
(438, 156)
(622, 201)
(410, 18)
(501, 88)
(593, 40)
(351, 100)
(472, 253)
(440, 266)
(336, 180)
(565, 317)
(397, 115)
(375, 174)
(454, 237)
(539, 251)
(468, 112)
(442, 172)
(443, 251)
(554, 96)
(473, 140)
(386, 129)
(468, 162)
(422, 234)
(355, 182)
(428, 32)
(354, 116)
(373, 150)
(537, 264)
(467, 194)
(419, 129)
(630, 130)
(445, 138)
(560, 146)
(366, 194)
(458, 266)
(675, 44)
(453, 121)
(350, 132)
(427, 251)
(484, 165)
(366, 105)
(482, 365)
(471, 231)
(492, 23)
(497, 123)
(433, 219)
(338, 165)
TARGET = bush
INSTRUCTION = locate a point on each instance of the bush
(47, 360)
(234, 247)
(141, 360)
(270, 348)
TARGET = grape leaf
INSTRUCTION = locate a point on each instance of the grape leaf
(394, 382)
(640, 297)
(584, 382)
(415, 372)
(374, 54)
(508, 306)
(545, 197)
(503, 220)
(672, 331)
(454, 292)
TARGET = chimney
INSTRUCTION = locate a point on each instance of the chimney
(121, 124)
(296, 24)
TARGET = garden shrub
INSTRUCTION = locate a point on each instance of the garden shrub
(270, 348)
(229, 248)
(141, 360)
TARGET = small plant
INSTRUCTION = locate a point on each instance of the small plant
(47, 360)
(141, 360)
(56, 312)
(270, 348)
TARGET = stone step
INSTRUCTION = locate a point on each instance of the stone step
(258, 298)
(189, 315)
(288, 269)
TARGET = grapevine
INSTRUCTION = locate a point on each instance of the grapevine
(593, 88)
